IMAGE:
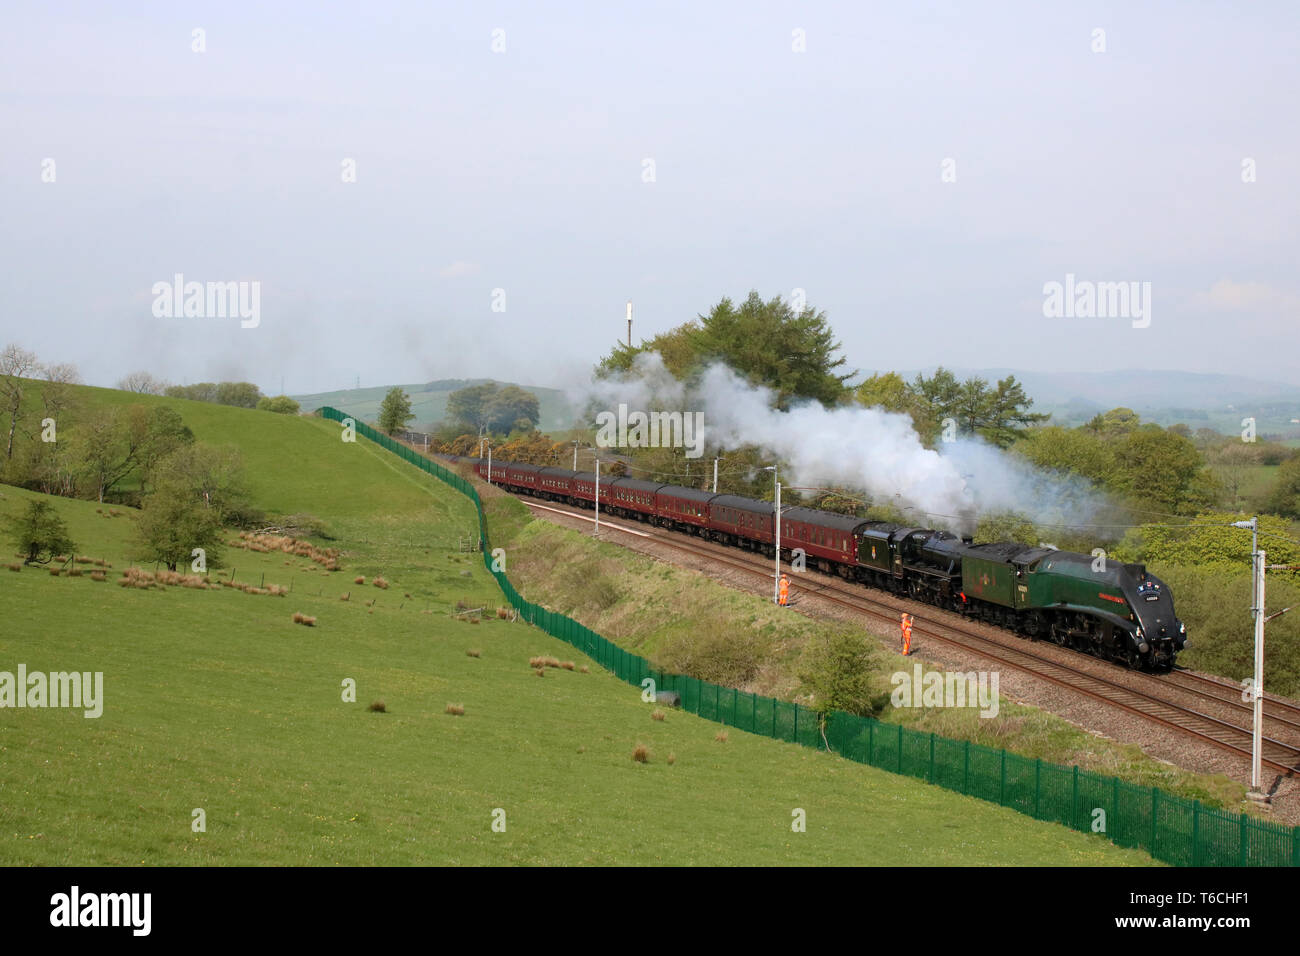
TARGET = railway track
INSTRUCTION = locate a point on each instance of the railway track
(1152, 703)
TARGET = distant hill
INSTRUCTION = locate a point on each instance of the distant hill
(1200, 400)
(429, 401)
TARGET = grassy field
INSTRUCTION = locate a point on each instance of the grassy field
(215, 700)
(686, 622)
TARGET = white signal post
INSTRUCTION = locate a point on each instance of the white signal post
(489, 464)
(596, 533)
(715, 474)
(1258, 567)
(1257, 608)
(575, 456)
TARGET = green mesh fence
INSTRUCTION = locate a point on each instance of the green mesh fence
(1172, 829)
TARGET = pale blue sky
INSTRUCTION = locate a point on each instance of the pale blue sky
(522, 170)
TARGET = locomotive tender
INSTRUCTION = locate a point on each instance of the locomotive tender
(1109, 609)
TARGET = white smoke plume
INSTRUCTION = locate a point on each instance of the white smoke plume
(856, 447)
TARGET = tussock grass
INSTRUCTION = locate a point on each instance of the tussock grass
(263, 543)
(658, 715)
(720, 736)
(474, 652)
(378, 707)
(641, 753)
(456, 710)
(300, 618)
(380, 583)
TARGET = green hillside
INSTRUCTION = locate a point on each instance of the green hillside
(215, 699)
(429, 402)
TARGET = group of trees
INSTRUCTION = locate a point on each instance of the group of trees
(135, 454)
(493, 408)
(770, 343)
(997, 413)
(237, 394)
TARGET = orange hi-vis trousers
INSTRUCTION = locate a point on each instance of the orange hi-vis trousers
(907, 634)
(785, 592)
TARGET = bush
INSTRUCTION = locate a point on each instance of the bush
(727, 658)
(1214, 603)
(839, 670)
(280, 404)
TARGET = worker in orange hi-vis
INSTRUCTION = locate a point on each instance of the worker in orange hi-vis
(906, 625)
(785, 590)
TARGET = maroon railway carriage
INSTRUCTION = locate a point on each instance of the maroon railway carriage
(830, 540)
(741, 520)
(516, 474)
(632, 496)
(688, 506)
(555, 483)
(583, 487)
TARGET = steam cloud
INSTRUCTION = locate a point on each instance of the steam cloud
(855, 447)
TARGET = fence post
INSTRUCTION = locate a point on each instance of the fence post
(1241, 855)
(1155, 800)
(871, 759)
(1002, 787)
(931, 776)
(1074, 801)
(900, 748)
(1295, 846)
(965, 770)
(795, 738)
(1038, 787)
(1196, 830)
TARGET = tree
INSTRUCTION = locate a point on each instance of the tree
(470, 406)
(890, 392)
(838, 669)
(112, 443)
(39, 533)
(395, 411)
(142, 383)
(16, 364)
(1284, 496)
(171, 526)
(999, 415)
(198, 488)
(280, 404)
(508, 406)
(238, 394)
(771, 344)
(1161, 471)
(768, 343)
(1208, 540)
(210, 474)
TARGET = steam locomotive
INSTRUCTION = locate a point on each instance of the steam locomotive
(1115, 611)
